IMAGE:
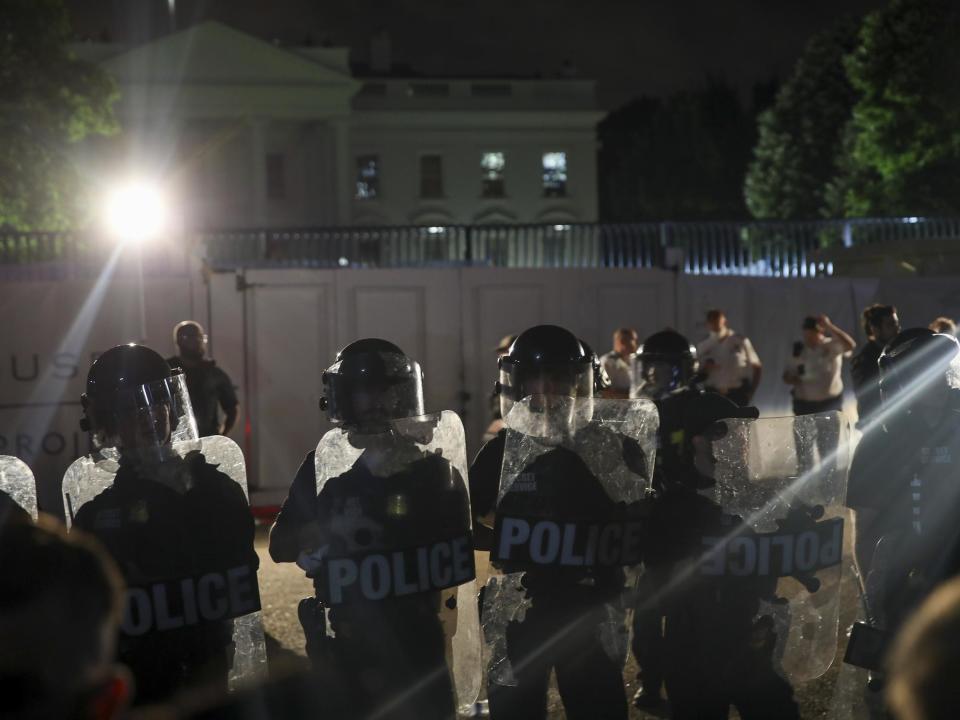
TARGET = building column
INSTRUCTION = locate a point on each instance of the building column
(258, 173)
(343, 175)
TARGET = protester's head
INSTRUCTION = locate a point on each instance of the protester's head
(61, 599)
(625, 341)
(716, 320)
(880, 323)
(925, 660)
(812, 331)
(190, 339)
(944, 325)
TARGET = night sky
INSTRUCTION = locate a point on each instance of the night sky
(631, 47)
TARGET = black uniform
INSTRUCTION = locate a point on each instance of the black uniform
(210, 389)
(387, 655)
(713, 653)
(909, 476)
(864, 371)
(156, 534)
(561, 629)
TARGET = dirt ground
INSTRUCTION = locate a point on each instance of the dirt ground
(282, 587)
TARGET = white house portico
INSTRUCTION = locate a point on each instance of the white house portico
(250, 134)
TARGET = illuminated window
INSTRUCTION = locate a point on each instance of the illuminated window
(491, 166)
(555, 174)
(276, 177)
(431, 176)
(368, 177)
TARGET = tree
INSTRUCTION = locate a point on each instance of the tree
(682, 157)
(50, 100)
(799, 139)
(902, 155)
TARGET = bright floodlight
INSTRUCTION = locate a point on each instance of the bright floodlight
(136, 212)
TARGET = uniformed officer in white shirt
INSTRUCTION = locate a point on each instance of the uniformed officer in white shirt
(618, 363)
(732, 366)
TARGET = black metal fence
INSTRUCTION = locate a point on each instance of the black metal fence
(769, 249)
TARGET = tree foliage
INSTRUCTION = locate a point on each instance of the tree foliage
(682, 157)
(50, 100)
(902, 151)
(799, 138)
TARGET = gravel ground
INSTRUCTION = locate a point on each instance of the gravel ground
(282, 587)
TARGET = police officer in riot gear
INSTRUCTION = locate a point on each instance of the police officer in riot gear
(665, 371)
(179, 529)
(903, 485)
(381, 493)
(666, 362)
(566, 607)
(715, 653)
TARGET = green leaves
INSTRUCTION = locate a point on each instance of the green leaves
(50, 101)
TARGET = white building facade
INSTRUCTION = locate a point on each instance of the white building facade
(247, 134)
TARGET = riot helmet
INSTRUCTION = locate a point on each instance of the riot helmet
(136, 403)
(546, 360)
(666, 361)
(916, 362)
(371, 383)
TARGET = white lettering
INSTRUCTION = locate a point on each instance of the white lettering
(807, 550)
(786, 545)
(544, 542)
(423, 568)
(632, 542)
(714, 559)
(748, 559)
(211, 596)
(162, 608)
(189, 594)
(402, 587)
(375, 577)
(567, 556)
(137, 615)
(512, 532)
(341, 572)
(440, 571)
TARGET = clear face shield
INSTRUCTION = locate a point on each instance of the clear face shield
(655, 377)
(366, 392)
(143, 422)
(560, 397)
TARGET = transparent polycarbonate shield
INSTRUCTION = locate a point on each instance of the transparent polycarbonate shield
(17, 485)
(396, 526)
(781, 482)
(570, 522)
(90, 476)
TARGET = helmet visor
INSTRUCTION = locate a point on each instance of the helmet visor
(370, 389)
(543, 381)
(146, 417)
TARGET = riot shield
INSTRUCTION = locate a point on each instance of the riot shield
(394, 564)
(781, 484)
(568, 533)
(158, 602)
(17, 486)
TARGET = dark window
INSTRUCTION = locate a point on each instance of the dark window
(429, 89)
(431, 176)
(373, 89)
(276, 177)
(368, 177)
(491, 90)
(555, 174)
(492, 165)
